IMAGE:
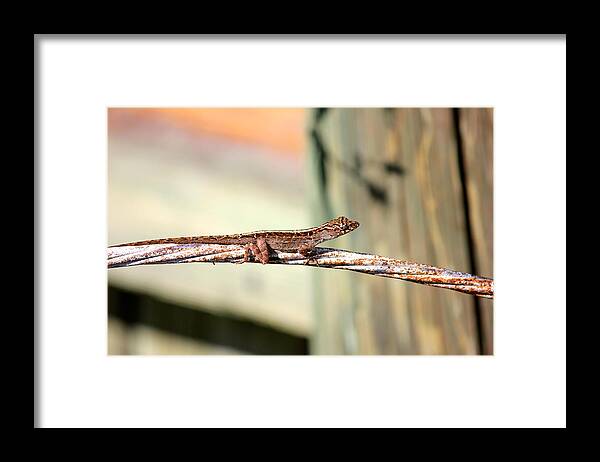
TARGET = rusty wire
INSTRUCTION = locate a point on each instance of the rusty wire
(322, 257)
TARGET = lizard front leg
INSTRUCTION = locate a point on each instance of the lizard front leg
(306, 250)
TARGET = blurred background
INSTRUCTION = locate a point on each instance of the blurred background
(419, 180)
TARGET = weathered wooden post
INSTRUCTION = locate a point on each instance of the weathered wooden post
(401, 173)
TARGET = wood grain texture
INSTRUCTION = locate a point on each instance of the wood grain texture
(476, 130)
(397, 172)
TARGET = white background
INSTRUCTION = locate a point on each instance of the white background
(524, 384)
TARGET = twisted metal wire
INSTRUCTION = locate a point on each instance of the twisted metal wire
(322, 257)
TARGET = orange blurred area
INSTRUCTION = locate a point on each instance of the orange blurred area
(281, 129)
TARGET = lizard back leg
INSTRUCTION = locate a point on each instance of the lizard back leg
(263, 251)
(260, 250)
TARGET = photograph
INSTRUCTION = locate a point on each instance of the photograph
(384, 216)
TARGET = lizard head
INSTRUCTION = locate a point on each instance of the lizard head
(342, 225)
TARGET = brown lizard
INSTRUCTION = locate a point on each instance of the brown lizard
(259, 243)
